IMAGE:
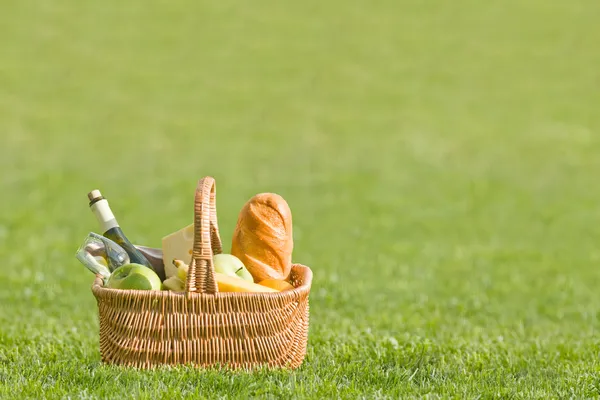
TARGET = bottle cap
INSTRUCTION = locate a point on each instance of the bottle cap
(94, 194)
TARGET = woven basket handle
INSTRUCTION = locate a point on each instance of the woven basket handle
(201, 273)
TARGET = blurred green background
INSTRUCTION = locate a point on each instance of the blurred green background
(440, 159)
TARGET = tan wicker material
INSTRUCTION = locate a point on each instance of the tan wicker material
(202, 326)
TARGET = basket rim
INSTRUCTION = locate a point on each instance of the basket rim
(100, 291)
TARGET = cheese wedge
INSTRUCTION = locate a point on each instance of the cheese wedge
(228, 283)
(177, 245)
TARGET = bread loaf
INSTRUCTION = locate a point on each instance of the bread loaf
(263, 237)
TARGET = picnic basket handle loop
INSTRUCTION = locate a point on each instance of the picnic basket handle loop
(201, 273)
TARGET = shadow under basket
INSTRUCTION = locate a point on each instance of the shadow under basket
(201, 326)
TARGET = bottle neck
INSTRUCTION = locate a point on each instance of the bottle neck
(104, 215)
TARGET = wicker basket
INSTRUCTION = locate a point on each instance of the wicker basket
(201, 326)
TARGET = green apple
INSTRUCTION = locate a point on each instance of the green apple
(134, 276)
(229, 264)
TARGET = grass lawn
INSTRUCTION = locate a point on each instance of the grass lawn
(441, 159)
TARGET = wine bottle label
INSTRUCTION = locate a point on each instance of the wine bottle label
(105, 216)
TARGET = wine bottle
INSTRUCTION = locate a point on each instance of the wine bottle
(111, 229)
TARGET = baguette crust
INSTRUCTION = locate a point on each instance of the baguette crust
(263, 238)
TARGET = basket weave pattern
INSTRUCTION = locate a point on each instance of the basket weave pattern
(202, 326)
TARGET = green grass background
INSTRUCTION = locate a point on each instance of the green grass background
(441, 159)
